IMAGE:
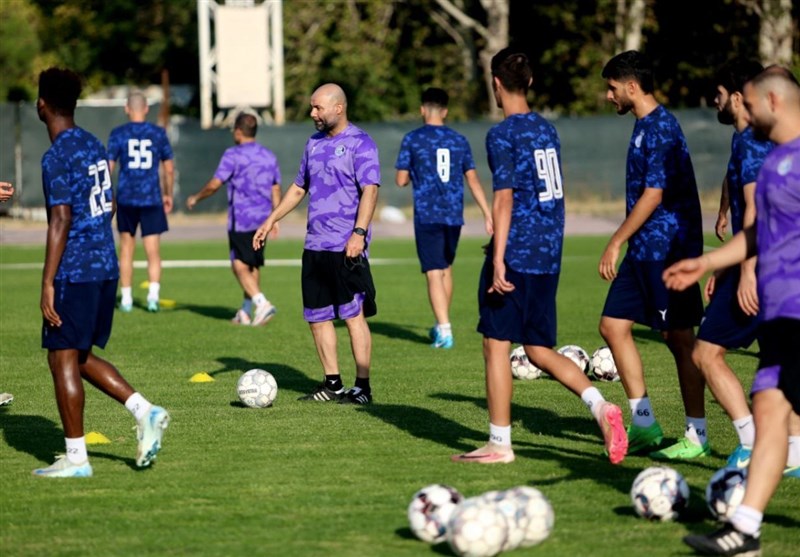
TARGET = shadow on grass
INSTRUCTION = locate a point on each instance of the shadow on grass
(287, 377)
(223, 313)
(393, 331)
(35, 435)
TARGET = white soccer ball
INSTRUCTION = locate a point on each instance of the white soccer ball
(521, 366)
(536, 512)
(257, 388)
(603, 365)
(430, 511)
(508, 505)
(725, 491)
(477, 529)
(659, 493)
(577, 355)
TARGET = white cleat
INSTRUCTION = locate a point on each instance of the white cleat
(63, 468)
(149, 431)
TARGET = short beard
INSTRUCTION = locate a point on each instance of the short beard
(725, 116)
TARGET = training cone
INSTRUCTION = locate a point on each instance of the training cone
(166, 303)
(97, 438)
(201, 377)
(145, 284)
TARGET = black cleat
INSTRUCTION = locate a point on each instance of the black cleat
(726, 541)
(356, 395)
(323, 394)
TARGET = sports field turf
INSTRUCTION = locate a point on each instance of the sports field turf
(324, 479)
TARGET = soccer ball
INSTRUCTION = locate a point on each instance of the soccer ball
(725, 491)
(477, 529)
(257, 388)
(515, 517)
(577, 355)
(603, 365)
(537, 513)
(430, 511)
(659, 493)
(521, 367)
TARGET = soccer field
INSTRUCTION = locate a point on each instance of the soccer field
(305, 478)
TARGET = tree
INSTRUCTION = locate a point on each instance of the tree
(19, 47)
(628, 24)
(776, 32)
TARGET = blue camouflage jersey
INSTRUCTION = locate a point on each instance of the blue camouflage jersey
(139, 147)
(747, 156)
(75, 173)
(525, 155)
(437, 158)
(658, 157)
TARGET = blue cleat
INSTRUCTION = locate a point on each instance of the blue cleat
(152, 306)
(740, 457)
(442, 341)
(149, 431)
(791, 472)
(63, 468)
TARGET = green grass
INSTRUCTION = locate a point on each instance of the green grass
(316, 479)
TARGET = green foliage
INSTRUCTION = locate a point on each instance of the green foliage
(315, 479)
(19, 46)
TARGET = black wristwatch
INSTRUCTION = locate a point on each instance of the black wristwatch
(360, 231)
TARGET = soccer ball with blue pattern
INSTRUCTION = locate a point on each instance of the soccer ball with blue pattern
(477, 529)
(529, 514)
(577, 355)
(659, 493)
(257, 388)
(521, 366)
(430, 511)
(725, 491)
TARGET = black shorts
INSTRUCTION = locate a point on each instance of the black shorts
(336, 287)
(86, 310)
(779, 367)
(241, 245)
(152, 218)
(725, 324)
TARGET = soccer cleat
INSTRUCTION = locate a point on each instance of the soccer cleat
(616, 440)
(6, 399)
(684, 449)
(323, 394)
(63, 468)
(126, 308)
(727, 541)
(241, 318)
(491, 453)
(432, 332)
(740, 457)
(263, 314)
(152, 306)
(791, 472)
(356, 395)
(149, 431)
(641, 439)
(440, 340)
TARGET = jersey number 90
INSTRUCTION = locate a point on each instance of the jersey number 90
(549, 172)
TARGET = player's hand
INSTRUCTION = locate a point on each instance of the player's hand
(167, 200)
(489, 225)
(260, 236)
(47, 304)
(721, 227)
(191, 201)
(747, 294)
(608, 262)
(6, 191)
(355, 245)
(499, 282)
(275, 230)
(684, 273)
(711, 285)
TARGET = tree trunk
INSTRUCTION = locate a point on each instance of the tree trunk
(775, 33)
(628, 24)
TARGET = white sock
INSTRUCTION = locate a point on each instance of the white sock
(500, 435)
(746, 430)
(127, 294)
(592, 398)
(747, 520)
(696, 430)
(793, 459)
(153, 291)
(247, 306)
(445, 329)
(138, 406)
(641, 412)
(76, 450)
(259, 299)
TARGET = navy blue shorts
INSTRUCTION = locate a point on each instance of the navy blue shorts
(86, 310)
(525, 316)
(336, 287)
(436, 245)
(241, 245)
(779, 366)
(638, 294)
(152, 218)
(725, 324)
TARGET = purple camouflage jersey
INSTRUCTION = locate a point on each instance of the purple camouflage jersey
(778, 232)
(333, 172)
(250, 170)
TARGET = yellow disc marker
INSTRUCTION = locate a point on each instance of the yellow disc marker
(97, 438)
(201, 377)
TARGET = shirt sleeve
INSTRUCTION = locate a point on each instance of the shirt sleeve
(501, 160)
(302, 173)
(404, 156)
(468, 162)
(166, 149)
(56, 177)
(658, 143)
(366, 163)
(114, 146)
(225, 168)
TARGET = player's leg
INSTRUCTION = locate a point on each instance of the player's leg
(332, 388)
(127, 244)
(361, 347)
(246, 263)
(152, 250)
(432, 250)
(792, 469)
(438, 296)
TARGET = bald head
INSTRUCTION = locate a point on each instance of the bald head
(136, 107)
(329, 109)
(772, 99)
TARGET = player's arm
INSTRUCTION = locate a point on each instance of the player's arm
(366, 208)
(724, 204)
(685, 273)
(168, 184)
(501, 216)
(58, 227)
(402, 178)
(747, 292)
(644, 207)
(208, 190)
(294, 195)
(474, 184)
(276, 200)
